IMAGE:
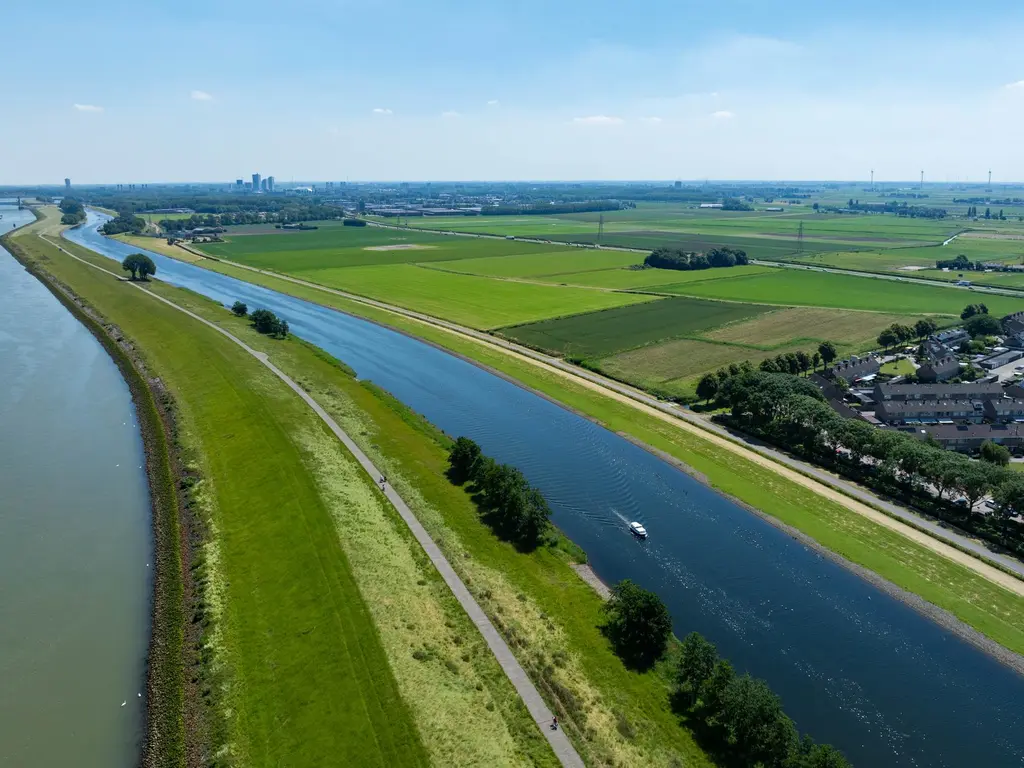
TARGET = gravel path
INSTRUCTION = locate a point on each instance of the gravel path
(538, 709)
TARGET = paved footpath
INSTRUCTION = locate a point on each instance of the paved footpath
(540, 712)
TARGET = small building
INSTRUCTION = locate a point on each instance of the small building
(968, 438)
(942, 369)
(711, 205)
(1014, 323)
(1014, 340)
(854, 369)
(968, 390)
(1005, 409)
(918, 412)
(1003, 358)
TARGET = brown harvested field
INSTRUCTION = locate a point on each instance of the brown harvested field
(805, 324)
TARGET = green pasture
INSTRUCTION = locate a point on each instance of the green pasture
(597, 334)
(479, 302)
(559, 262)
(808, 288)
(648, 278)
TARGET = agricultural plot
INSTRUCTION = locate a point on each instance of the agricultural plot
(806, 288)
(649, 278)
(478, 302)
(809, 325)
(562, 261)
(598, 334)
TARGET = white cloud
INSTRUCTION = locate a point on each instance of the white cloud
(450, 113)
(1018, 85)
(723, 114)
(652, 120)
(201, 96)
(598, 120)
(382, 111)
(88, 108)
(493, 103)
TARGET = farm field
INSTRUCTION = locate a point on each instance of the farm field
(597, 334)
(553, 263)
(801, 288)
(649, 278)
(479, 302)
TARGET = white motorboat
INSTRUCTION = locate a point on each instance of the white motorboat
(638, 530)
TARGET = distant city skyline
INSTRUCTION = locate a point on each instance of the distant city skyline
(597, 90)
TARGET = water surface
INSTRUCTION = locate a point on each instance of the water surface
(74, 538)
(854, 667)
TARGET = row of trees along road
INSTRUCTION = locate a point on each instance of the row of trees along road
(791, 412)
(736, 718)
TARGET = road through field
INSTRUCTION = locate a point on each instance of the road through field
(858, 500)
(538, 709)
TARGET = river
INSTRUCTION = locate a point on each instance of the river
(75, 538)
(854, 667)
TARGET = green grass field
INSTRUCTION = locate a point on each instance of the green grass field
(562, 261)
(598, 334)
(478, 302)
(650, 279)
(805, 288)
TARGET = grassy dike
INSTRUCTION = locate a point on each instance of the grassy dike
(982, 605)
(329, 635)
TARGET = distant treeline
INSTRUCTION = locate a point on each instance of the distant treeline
(791, 412)
(543, 209)
(677, 258)
(900, 209)
(288, 214)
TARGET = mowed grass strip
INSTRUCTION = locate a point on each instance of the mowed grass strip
(807, 324)
(598, 334)
(796, 287)
(308, 680)
(479, 302)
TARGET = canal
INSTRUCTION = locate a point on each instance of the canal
(74, 538)
(854, 666)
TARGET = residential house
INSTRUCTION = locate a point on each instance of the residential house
(1005, 409)
(968, 438)
(1014, 323)
(942, 369)
(968, 390)
(916, 411)
(855, 369)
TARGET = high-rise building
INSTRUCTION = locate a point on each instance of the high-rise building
(270, 183)
(255, 182)
(239, 184)
(263, 185)
(67, 185)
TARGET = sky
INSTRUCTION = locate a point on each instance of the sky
(213, 90)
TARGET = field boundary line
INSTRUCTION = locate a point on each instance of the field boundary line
(535, 704)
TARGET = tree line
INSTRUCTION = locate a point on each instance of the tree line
(549, 209)
(736, 717)
(291, 213)
(678, 258)
(897, 333)
(792, 413)
(514, 509)
(123, 223)
(787, 362)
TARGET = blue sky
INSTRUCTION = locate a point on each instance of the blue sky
(114, 91)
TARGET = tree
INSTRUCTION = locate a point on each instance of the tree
(810, 755)
(925, 327)
(239, 309)
(973, 309)
(973, 480)
(707, 387)
(994, 453)
(1009, 499)
(768, 366)
(982, 325)
(638, 623)
(903, 332)
(758, 730)
(803, 361)
(988, 213)
(697, 659)
(265, 321)
(712, 693)
(887, 338)
(828, 353)
(816, 360)
(464, 460)
(140, 265)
